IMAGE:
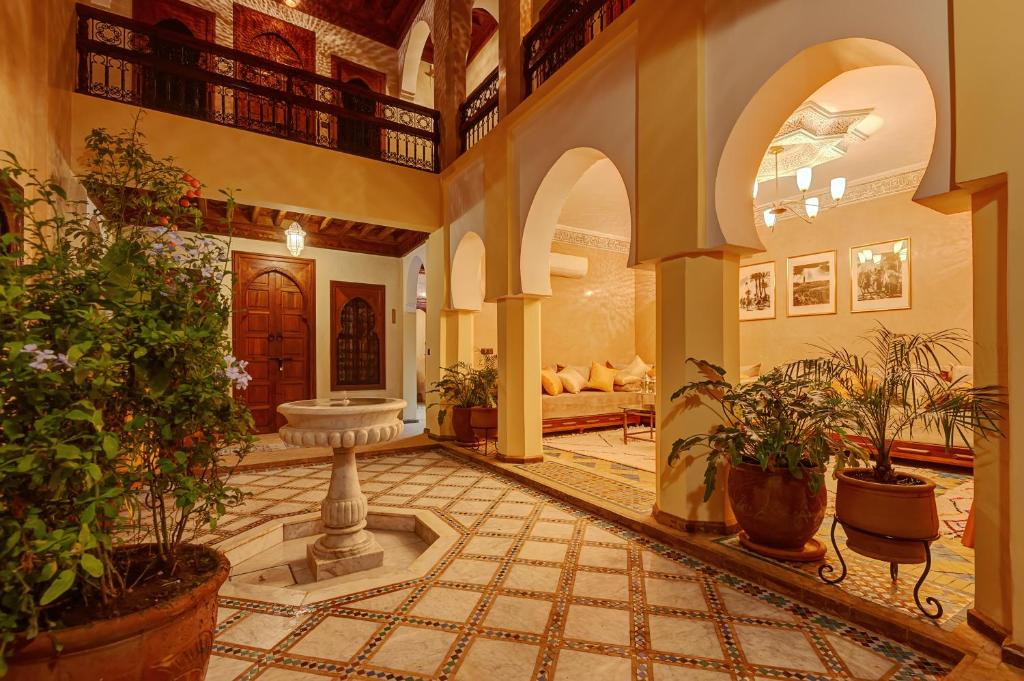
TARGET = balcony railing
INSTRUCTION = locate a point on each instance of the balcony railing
(563, 32)
(127, 61)
(479, 113)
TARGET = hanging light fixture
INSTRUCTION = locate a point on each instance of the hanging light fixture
(811, 204)
(295, 238)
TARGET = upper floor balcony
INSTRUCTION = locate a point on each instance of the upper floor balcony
(128, 61)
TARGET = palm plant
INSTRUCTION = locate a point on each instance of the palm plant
(780, 421)
(463, 386)
(899, 384)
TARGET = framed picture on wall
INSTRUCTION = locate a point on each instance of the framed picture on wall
(880, 276)
(811, 284)
(757, 291)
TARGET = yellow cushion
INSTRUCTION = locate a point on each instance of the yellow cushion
(550, 381)
(601, 378)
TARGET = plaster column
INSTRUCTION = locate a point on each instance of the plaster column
(519, 411)
(452, 26)
(409, 358)
(458, 337)
(514, 22)
(697, 316)
(436, 267)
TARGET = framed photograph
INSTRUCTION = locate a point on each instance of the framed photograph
(880, 276)
(811, 284)
(757, 291)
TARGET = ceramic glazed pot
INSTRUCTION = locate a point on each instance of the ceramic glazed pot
(171, 642)
(484, 418)
(462, 425)
(777, 513)
(904, 512)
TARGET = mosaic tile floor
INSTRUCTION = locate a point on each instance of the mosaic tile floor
(531, 589)
(607, 444)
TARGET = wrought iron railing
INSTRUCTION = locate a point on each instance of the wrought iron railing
(479, 113)
(563, 32)
(128, 61)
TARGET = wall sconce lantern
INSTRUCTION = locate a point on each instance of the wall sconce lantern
(295, 238)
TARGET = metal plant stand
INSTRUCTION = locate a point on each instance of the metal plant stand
(825, 570)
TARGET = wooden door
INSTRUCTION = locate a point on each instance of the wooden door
(358, 351)
(274, 330)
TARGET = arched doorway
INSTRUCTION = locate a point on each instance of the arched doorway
(414, 340)
(418, 74)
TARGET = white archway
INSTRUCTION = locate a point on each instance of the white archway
(412, 275)
(413, 54)
(542, 219)
(467, 274)
(764, 115)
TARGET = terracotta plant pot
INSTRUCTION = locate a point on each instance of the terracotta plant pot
(777, 513)
(462, 426)
(906, 513)
(165, 643)
(484, 419)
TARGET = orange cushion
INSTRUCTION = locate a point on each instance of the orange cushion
(601, 378)
(550, 382)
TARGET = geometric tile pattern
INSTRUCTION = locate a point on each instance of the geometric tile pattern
(538, 589)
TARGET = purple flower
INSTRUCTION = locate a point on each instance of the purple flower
(235, 371)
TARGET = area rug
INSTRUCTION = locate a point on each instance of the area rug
(608, 445)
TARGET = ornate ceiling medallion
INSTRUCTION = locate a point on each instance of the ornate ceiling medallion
(813, 135)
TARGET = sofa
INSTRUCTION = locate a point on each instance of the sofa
(584, 403)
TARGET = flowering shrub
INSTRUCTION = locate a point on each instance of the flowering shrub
(115, 385)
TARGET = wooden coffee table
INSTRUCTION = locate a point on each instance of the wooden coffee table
(646, 417)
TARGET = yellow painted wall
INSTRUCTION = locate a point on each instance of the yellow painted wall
(334, 265)
(940, 269)
(277, 173)
(989, 141)
(37, 70)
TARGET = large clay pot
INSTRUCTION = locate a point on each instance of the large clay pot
(484, 418)
(872, 511)
(171, 642)
(777, 513)
(462, 425)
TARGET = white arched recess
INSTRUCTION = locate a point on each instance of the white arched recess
(591, 119)
(412, 342)
(467, 291)
(418, 35)
(755, 80)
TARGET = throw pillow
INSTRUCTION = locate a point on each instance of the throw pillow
(550, 382)
(601, 378)
(571, 380)
(622, 378)
(637, 367)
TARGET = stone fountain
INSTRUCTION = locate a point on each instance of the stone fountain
(343, 424)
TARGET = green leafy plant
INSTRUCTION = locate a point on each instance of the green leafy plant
(776, 422)
(463, 386)
(115, 383)
(899, 383)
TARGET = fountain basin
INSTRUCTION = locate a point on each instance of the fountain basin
(342, 422)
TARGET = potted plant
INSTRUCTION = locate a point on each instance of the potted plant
(896, 385)
(461, 388)
(776, 435)
(484, 417)
(115, 377)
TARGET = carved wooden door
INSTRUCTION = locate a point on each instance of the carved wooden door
(274, 330)
(358, 353)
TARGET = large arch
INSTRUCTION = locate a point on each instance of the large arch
(412, 273)
(765, 114)
(418, 35)
(542, 219)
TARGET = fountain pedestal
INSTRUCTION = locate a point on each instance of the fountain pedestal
(342, 424)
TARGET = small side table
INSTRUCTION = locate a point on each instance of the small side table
(646, 416)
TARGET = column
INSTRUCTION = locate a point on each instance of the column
(697, 316)
(452, 26)
(514, 22)
(519, 398)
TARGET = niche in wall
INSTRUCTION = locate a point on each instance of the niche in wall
(358, 353)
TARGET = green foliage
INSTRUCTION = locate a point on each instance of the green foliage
(115, 381)
(462, 385)
(777, 422)
(899, 383)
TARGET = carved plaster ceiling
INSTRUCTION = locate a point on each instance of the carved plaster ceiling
(813, 135)
(385, 21)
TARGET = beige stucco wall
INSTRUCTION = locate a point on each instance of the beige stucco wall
(37, 67)
(334, 265)
(941, 279)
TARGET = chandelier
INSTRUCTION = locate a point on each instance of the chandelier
(808, 207)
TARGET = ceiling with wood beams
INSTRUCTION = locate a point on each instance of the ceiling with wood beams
(484, 26)
(385, 21)
(266, 224)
